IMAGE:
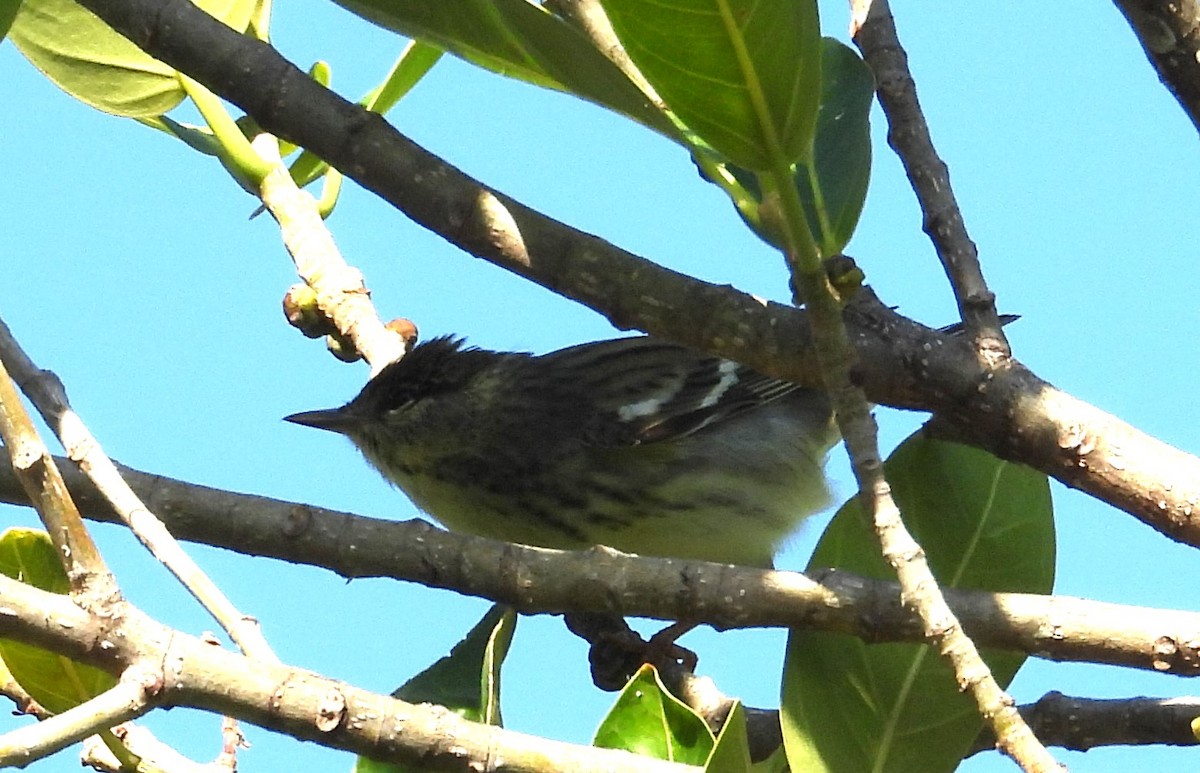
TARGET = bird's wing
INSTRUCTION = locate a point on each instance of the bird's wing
(642, 390)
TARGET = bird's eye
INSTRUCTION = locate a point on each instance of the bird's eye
(397, 401)
(401, 406)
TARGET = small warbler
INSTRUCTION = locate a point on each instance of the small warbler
(634, 443)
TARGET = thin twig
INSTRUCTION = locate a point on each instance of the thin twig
(128, 699)
(908, 134)
(47, 394)
(342, 294)
(155, 755)
(874, 32)
(292, 700)
(920, 592)
(35, 468)
(22, 700)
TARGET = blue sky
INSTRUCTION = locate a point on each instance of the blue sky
(130, 269)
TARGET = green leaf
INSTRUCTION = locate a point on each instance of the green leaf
(195, 137)
(646, 719)
(414, 62)
(731, 753)
(467, 681)
(834, 186)
(744, 75)
(87, 59)
(521, 40)
(27, 555)
(56, 682)
(8, 12)
(776, 763)
(984, 524)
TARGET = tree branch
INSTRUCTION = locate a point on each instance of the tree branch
(39, 475)
(128, 699)
(1169, 31)
(341, 293)
(304, 705)
(49, 396)
(538, 581)
(1088, 723)
(874, 32)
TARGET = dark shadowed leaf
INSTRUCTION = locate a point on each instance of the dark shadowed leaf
(8, 12)
(467, 681)
(834, 186)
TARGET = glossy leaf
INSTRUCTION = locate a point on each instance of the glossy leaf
(56, 682)
(984, 524)
(87, 59)
(521, 40)
(646, 719)
(467, 681)
(744, 75)
(833, 187)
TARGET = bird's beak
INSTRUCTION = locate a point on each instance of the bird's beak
(337, 420)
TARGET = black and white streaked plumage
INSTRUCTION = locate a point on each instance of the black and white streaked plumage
(633, 443)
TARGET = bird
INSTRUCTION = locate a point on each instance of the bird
(638, 444)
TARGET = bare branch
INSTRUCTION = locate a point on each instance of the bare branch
(908, 134)
(294, 701)
(47, 394)
(43, 483)
(141, 742)
(538, 581)
(1169, 31)
(1019, 417)
(128, 699)
(919, 591)
(341, 293)
(1089, 723)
